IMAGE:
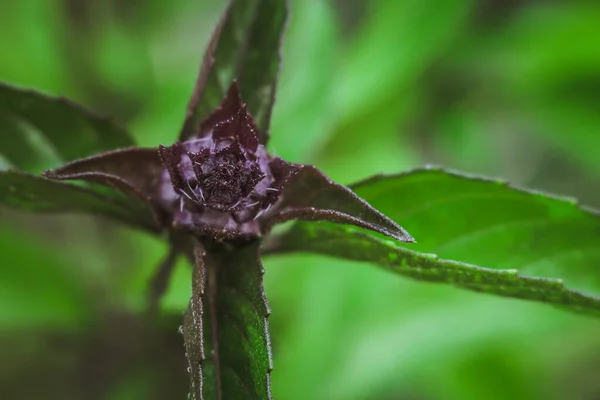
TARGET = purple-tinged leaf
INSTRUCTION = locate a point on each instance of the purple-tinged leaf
(28, 192)
(38, 131)
(225, 328)
(244, 46)
(310, 195)
(137, 172)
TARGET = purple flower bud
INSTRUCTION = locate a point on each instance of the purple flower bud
(221, 180)
(222, 184)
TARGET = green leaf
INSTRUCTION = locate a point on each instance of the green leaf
(225, 328)
(34, 193)
(511, 242)
(244, 46)
(39, 131)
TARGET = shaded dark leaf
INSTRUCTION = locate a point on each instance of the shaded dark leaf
(310, 195)
(225, 327)
(517, 243)
(37, 131)
(137, 172)
(245, 46)
(96, 361)
(33, 193)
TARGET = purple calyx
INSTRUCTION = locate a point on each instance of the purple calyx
(223, 175)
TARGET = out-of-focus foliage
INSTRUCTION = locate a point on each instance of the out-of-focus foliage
(501, 88)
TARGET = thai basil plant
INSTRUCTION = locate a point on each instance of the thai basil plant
(216, 192)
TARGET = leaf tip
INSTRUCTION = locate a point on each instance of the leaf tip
(233, 96)
(408, 238)
(405, 238)
(400, 234)
(50, 174)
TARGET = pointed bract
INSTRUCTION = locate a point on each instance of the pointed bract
(310, 195)
(134, 171)
(35, 193)
(231, 120)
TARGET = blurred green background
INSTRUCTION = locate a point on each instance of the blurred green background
(504, 88)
